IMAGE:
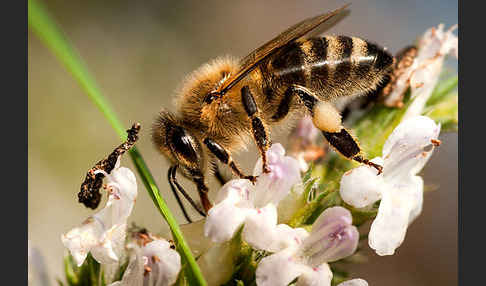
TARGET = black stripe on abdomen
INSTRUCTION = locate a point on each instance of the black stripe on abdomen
(319, 69)
(381, 58)
(284, 105)
(288, 63)
(366, 61)
(343, 68)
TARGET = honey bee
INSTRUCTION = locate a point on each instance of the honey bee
(227, 102)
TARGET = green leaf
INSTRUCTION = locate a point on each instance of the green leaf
(361, 216)
(443, 89)
(445, 113)
(244, 261)
(308, 173)
(309, 186)
(69, 271)
(88, 274)
(49, 33)
(302, 215)
(442, 106)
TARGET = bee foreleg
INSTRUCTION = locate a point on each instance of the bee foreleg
(328, 120)
(225, 158)
(173, 181)
(176, 195)
(258, 128)
(217, 173)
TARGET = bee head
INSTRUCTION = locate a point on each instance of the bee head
(177, 143)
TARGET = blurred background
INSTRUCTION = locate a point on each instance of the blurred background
(139, 51)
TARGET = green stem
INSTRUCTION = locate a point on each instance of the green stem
(46, 29)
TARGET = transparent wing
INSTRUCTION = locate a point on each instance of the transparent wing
(293, 33)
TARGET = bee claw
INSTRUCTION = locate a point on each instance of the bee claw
(360, 159)
(266, 170)
(379, 168)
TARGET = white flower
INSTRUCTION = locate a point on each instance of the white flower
(239, 202)
(423, 74)
(332, 237)
(155, 264)
(103, 234)
(405, 153)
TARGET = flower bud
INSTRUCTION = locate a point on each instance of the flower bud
(333, 237)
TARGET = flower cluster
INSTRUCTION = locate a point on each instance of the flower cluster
(239, 202)
(261, 216)
(422, 75)
(297, 253)
(153, 264)
(306, 255)
(104, 235)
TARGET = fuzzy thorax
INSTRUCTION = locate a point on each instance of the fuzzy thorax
(222, 119)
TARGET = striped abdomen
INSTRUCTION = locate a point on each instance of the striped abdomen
(330, 66)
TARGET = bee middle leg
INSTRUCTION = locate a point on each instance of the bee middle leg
(225, 158)
(328, 120)
(260, 134)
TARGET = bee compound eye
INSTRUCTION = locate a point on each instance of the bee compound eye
(184, 146)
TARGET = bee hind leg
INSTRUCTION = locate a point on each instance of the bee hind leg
(328, 120)
(345, 144)
(260, 134)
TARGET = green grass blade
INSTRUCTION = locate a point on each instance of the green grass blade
(48, 32)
